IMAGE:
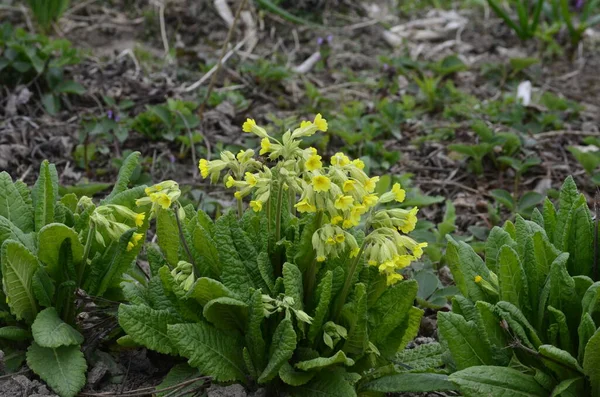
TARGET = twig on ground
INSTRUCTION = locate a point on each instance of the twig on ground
(163, 29)
(551, 134)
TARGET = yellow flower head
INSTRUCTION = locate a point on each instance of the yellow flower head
(305, 206)
(130, 246)
(330, 241)
(418, 250)
(251, 179)
(336, 219)
(354, 252)
(358, 163)
(410, 222)
(139, 219)
(313, 163)
(238, 195)
(371, 183)
(370, 200)
(347, 224)
(320, 123)
(256, 205)
(161, 199)
(203, 166)
(401, 261)
(137, 237)
(229, 182)
(399, 193)
(344, 202)
(312, 150)
(248, 125)
(393, 278)
(321, 258)
(348, 185)
(321, 183)
(265, 146)
(478, 278)
(305, 123)
(340, 238)
(340, 159)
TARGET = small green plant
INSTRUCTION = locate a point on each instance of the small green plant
(300, 293)
(528, 16)
(173, 120)
(36, 60)
(52, 247)
(576, 26)
(508, 143)
(588, 156)
(527, 316)
(46, 12)
(523, 205)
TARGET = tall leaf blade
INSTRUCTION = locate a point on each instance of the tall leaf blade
(18, 269)
(282, 349)
(12, 205)
(148, 327)
(591, 362)
(512, 279)
(213, 352)
(496, 381)
(45, 194)
(125, 173)
(465, 265)
(468, 349)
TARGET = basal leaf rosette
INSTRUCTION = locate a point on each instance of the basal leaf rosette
(341, 195)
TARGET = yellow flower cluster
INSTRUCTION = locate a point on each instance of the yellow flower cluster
(341, 192)
(112, 219)
(161, 195)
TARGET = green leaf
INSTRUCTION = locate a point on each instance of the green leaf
(421, 358)
(563, 295)
(292, 282)
(125, 173)
(18, 268)
(496, 381)
(206, 249)
(561, 362)
(206, 289)
(405, 332)
(581, 242)
(324, 362)
(327, 384)
(567, 199)
(294, 378)
(63, 368)
(565, 388)
(324, 296)
(69, 87)
(255, 341)
(464, 341)
(518, 324)
(465, 264)
(45, 194)
(586, 330)
(51, 103)
(549, 214)
(50, 239)
(12, 205)
(179, 374)
(358, 336)
(511, 278)
(8, 231)
(168, 235)
(215, 353)
(282, 349)
(14, 333)
(148, 327)
(410, 382)
(489, 327)
(504, 198)
(591, 362)
(497, 238)
(227, 313)
(559, 323)
(43, 287)
(49, 330)
(390, 310)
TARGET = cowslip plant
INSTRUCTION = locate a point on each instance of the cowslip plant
(299, 293)
(46, 12)
(51, 248)
(528, 16)
(526, 322)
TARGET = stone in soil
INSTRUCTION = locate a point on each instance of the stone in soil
(21, 386)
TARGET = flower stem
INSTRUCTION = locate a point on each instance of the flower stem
(337, 308)
(86, 253)
(278, 213)
(310, 275)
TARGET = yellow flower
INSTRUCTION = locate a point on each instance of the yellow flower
(265, 146)
(340, 238)
(312, 150)
(418, 250)
(139, 219)
(161, 199)
(336, 219)
(348, 185)
(330, 241)
(358, 163)
(372, 262)
(203, 165)
(321, 183)
(305, 123)
(251, 179)
(321, 258)
(387, 266)
(305, 206)
(340, 159)
(313, 163)
(248, 125)
(320, 122)
(478, 278)
(256, 205)
(393, 278)
(370, 200)
(354, 252)
(402, 261)
(399, 193)
(344, 202)
(130, 246)
(137, 237)
(371, 183)
(229, 181)
(410, 222)
(347, 224)
(238, 195)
